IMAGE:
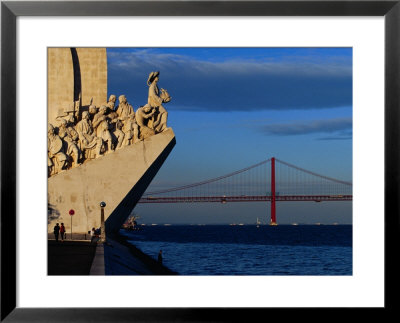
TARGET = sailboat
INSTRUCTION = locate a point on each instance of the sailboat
(258, 223)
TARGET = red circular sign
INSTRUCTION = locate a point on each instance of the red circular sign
(71, 212)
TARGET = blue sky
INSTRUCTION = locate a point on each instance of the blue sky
(234, 107)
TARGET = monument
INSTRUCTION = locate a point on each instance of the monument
(98, 151)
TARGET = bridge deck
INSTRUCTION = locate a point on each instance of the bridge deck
(245, 198)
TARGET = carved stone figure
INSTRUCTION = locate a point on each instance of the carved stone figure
(143, 114)
(99, 117)
(69, 112)
(131, 131)
(118, 133)
(155, 101)
(126, 114)
(89, 143)
(56, 158)
(111, 102)
(115, 127)
(70, 138)
(102, 128)
(92, 111)
(124, 109)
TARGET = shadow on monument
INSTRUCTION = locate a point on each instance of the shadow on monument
(121, 212)
(52, 213)
(114, 222)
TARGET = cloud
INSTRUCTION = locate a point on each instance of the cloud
(335, 138)
(234, 84)
(340, 135)
(341, 128)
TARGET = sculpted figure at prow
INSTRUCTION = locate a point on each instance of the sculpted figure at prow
(155, 100)
(143, 115)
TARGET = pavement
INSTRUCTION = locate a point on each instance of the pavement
(98, 263)
(115, 257)
(70, 257)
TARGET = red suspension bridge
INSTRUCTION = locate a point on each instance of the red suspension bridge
(271, 180)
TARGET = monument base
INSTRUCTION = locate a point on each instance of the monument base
(119, 179)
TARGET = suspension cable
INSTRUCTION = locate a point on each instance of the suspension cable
(207, 181)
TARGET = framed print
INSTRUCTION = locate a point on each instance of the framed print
(210, 38)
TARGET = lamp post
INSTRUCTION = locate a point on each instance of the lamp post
(71, 213)
(103, 227)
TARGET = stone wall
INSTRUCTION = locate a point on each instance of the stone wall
(93, 66)
(73, 72)
(60, 80)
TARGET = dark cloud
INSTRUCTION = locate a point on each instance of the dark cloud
(234, 85)
(339, 128)
(338, 137)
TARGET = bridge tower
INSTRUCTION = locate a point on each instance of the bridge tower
(273, 196)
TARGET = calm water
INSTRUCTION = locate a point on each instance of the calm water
(248, 250)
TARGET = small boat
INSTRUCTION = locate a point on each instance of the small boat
(258, 223)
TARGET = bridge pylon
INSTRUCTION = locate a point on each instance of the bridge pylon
(273, 193)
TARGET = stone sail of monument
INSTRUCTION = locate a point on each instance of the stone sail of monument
(97, 151)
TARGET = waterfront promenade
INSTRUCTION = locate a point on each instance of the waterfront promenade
(115, 257)
(71, 257)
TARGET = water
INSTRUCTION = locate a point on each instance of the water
(248, 250)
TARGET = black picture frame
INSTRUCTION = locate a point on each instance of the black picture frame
(10, 10)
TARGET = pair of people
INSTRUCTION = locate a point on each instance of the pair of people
(95, 234)
(59, 230)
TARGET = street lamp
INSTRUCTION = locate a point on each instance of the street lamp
(71, 213)
(103, 227)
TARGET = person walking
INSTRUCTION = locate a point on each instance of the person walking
(93, 235)
(62, 232)
(160, 257)
(56, 231)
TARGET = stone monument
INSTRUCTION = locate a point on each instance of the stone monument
(98, 151)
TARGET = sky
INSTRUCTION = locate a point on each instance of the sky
(234, 107)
